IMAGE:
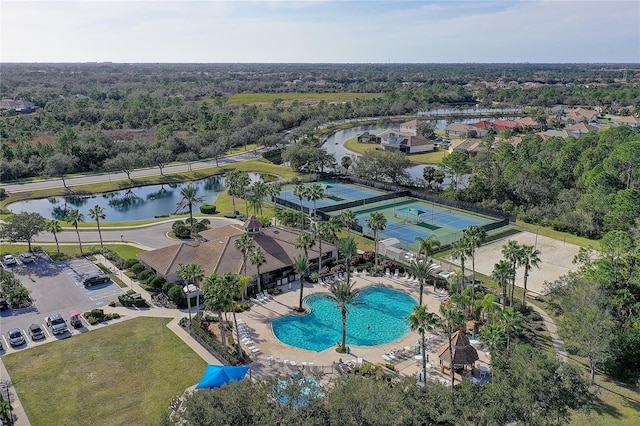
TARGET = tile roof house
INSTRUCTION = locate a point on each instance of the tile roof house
(468, 146)
(579, 129)
(527, 122)
(502, 125)
(628, 119)
(546, 135)
(482, 128)
(217, 254)
(580, 114)
(459, 129)
(408, 144)
(410, 127)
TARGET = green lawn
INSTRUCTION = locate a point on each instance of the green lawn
(121, 374)
(249, 98)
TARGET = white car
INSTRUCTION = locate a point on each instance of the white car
(9, 259)
(27, 258)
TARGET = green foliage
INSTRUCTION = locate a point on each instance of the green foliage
(157, 282)
(92, 321)
(128, 264)
(208, 209)
(176, 295)
(137, 268)
(146, 274)
(115, 315)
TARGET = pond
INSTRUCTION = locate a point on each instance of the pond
(140, 203)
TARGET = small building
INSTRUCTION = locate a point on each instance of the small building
(580, 129)
(463, 353)
(459, 129)
(408, 144)
(628, 119)
(410, 127)
(367, 137)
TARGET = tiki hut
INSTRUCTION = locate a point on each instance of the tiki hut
(463, 353)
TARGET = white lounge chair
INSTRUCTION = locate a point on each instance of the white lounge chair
(396, 274)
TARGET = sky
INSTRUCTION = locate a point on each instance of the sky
(319, 31)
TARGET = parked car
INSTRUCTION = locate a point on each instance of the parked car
(75, 320)
(95, 279)
(27, 258)
(15, 337)
(36, 332)
(9, 259)
(57, 323)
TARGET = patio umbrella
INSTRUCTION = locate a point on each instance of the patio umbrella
(218, 375)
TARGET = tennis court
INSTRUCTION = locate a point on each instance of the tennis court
(335, 193)
(408, 219)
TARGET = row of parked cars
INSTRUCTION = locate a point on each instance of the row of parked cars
(10, 259)
(55, 322)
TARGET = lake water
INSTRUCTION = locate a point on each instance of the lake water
(140, 203)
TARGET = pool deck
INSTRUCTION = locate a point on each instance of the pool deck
(273, 353)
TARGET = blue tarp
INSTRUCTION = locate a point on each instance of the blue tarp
(218, 375)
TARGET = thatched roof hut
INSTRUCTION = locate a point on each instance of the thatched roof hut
(463, 353)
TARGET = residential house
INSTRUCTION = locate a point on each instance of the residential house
(482, 128)
(408, 144)
(469, 146)
(459, 129)
(502, 125)
(579, 129)
(410, 127)
(216, 253)
(527, 122)
(17, 106)
(367, 137)
(546, 135)
(628, 119)
(576, 115)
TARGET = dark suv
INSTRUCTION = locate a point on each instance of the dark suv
(95, 279)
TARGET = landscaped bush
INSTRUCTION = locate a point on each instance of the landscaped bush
(157, 282)
(92, 321)
(369, 256)
(137, 268)
(98, 314)
(115, 315)
(176, 295)
(167, 286)
(113, 257)
(128, 264)
(198, 227)
(181, 231)
(209, 341)
(112, 304)
(145, 275)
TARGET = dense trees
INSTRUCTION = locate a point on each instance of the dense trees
(22, 227)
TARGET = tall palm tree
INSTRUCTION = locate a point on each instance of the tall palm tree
(488, 305)
(231, 178)
(475, 236)
(320, 232)
(74, 217)
(232, 286)
(255, 203)
(300, 191)
(218, 299)
(54, 227)
(335, 226)
(511, 321)
(343, 293)
(423, 321)
(492, 335)
(258, 258)
(460, 252)
(244, 244)
(191, 273)
(260, 189)
(529, 258)
(304, 241)
(376, 222)
(189, 197)
(97, 213)
(511, 252)
(427, 246)
(348, 218)
(452, 319)
(301, 266)
(502, 273)
(274, 189)
(315, 192)
(348, 247)
(422, 269)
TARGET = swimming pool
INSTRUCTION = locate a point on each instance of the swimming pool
(377, 316)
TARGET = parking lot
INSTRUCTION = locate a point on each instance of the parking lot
(55, 287)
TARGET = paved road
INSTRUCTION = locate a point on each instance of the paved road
(107, 177)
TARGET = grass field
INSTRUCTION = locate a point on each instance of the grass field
(252, 98)
(123, 374)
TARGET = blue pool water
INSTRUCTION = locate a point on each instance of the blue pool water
(377, 316)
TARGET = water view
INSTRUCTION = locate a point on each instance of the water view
(140, 203)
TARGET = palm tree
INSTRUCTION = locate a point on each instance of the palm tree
(423, 321)
(422, 269)
(234, 285)
(493, 336)
(231, 181)
(343, 293)
(189, 197)
(300, 191)
(452, 318)
(244, 244)
(511, 321)
(301, 266)
(502, 273)
(97, 213)
(314, 193)
(74, 217)
(54, 227)
(335, 226)
(427, 246)
(217, 298)
(274, 189)
(191, 273)
(348, 247)
(260, 189)
(511, 252)
(488, 305)
(305, 241)
(319, 233)
(529, 257)
(257, 258)
(255, 203)
(348, 218)
(376, 223)
(461, 251)
(475, 236)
